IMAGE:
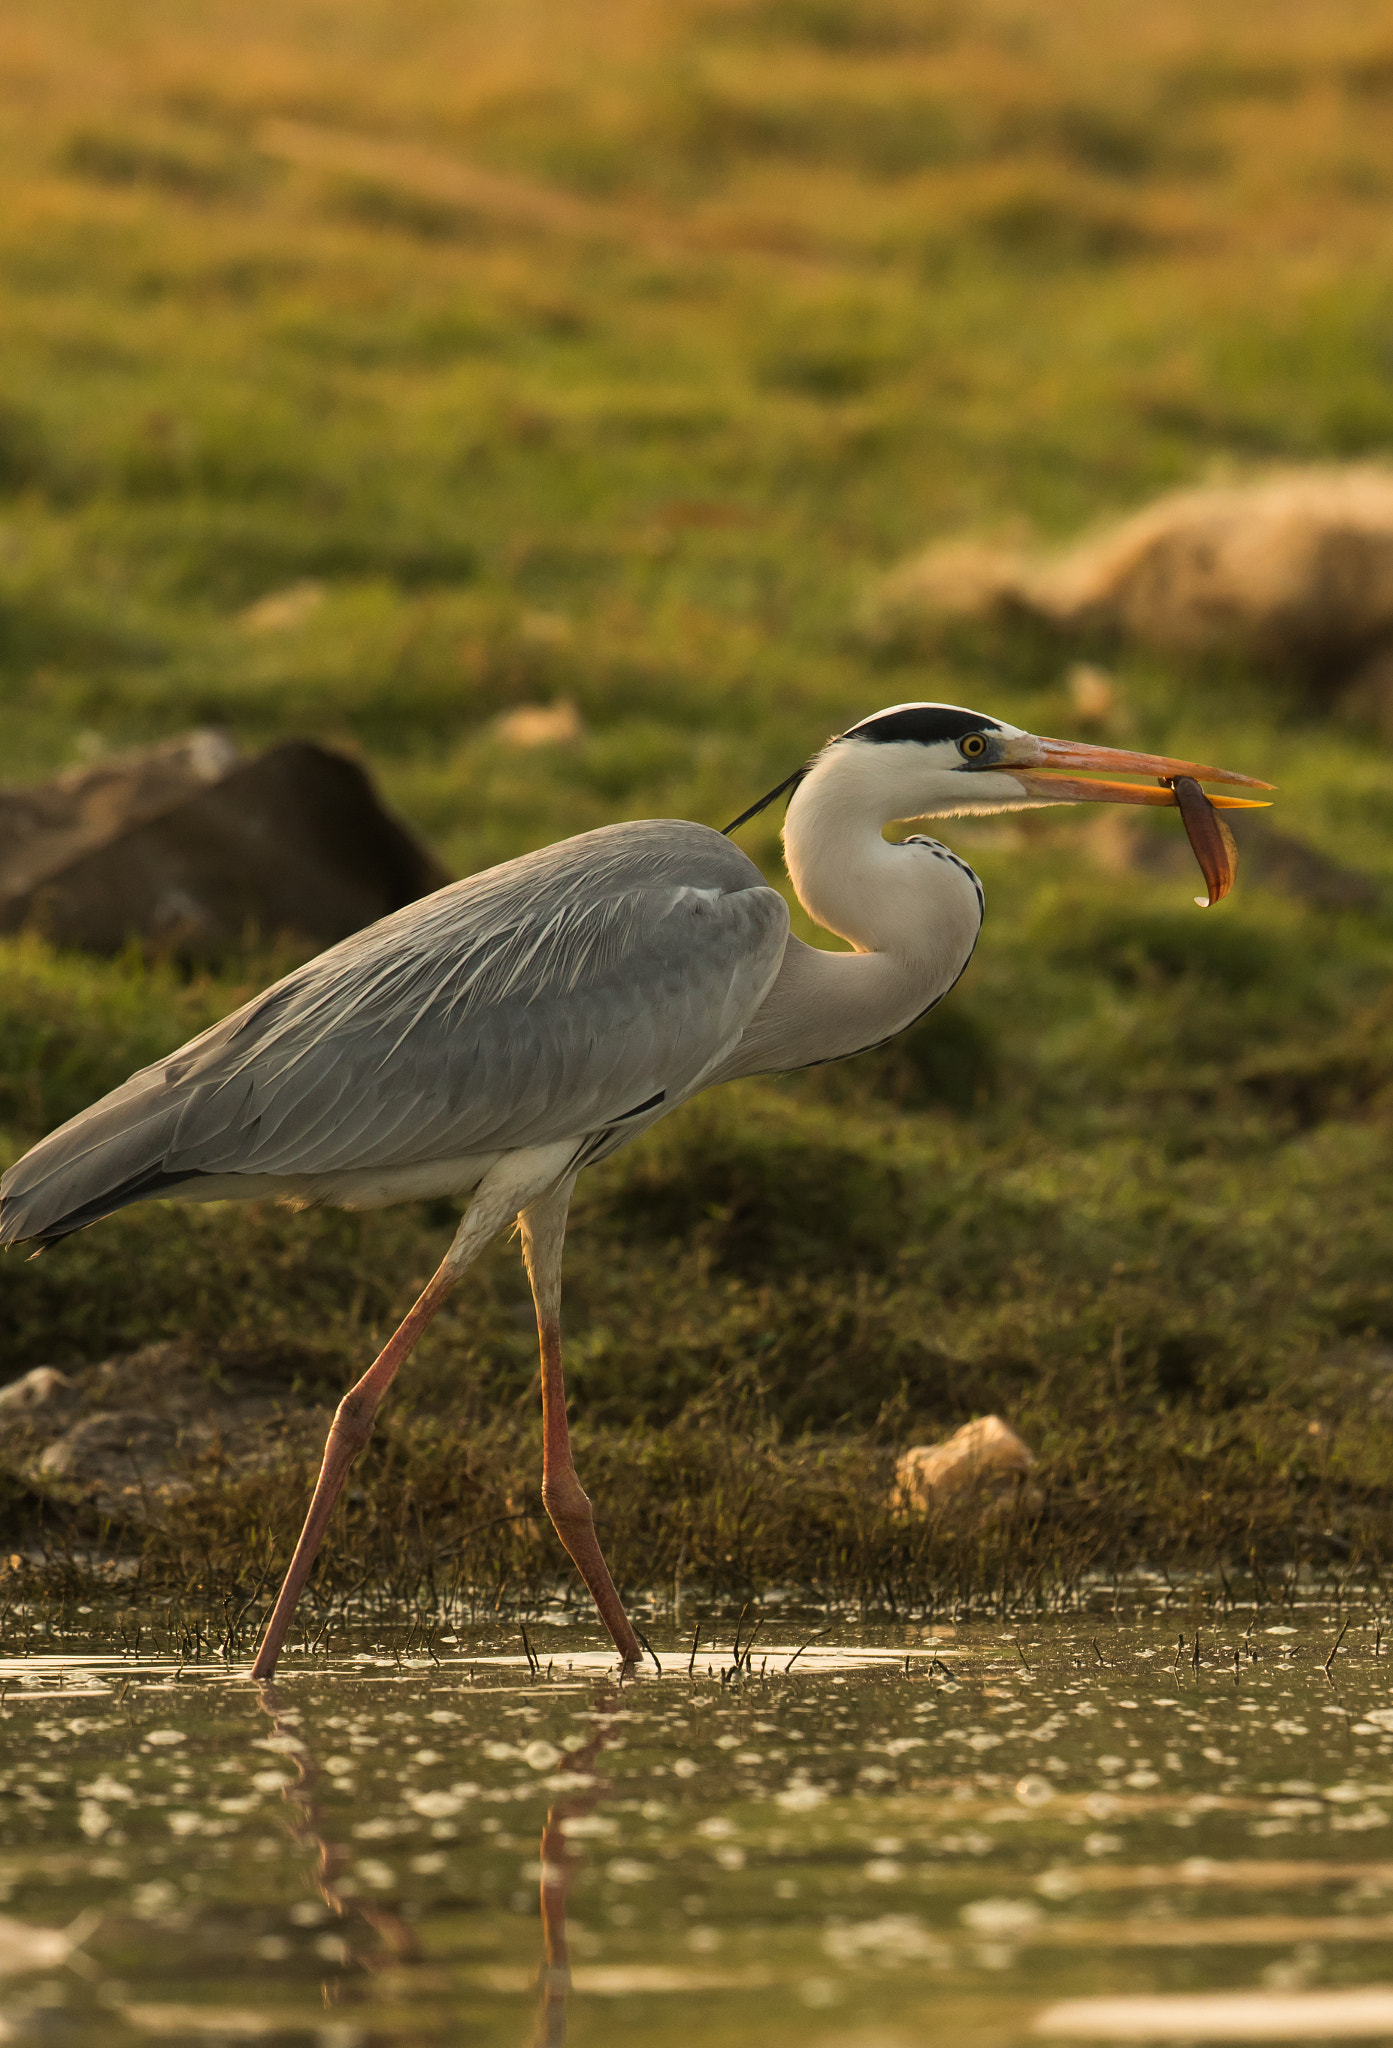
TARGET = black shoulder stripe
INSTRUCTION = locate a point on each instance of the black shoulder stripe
(943, 852)
(640, 1107)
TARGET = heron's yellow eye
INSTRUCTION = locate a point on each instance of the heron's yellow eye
(973, 746)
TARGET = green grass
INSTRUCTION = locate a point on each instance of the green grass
(779, 291)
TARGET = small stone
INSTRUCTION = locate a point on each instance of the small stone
(540, 725)
(87, 1450)
(980, 1453)
(37, 1388)
(280, 611)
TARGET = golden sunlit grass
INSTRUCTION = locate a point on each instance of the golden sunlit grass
(373, 371)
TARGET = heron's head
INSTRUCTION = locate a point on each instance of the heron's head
(943, 761)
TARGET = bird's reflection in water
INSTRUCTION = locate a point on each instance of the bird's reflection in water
(393, 1940)
(559, 1866)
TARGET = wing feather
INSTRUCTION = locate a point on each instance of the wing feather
(539, 1001)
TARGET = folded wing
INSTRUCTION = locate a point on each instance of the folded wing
(552, 998)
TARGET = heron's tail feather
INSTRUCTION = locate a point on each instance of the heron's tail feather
(113, 1154)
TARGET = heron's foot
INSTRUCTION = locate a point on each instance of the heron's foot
(568, 1506)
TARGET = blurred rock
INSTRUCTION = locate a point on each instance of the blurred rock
(136, 1433)
(1092, 693)
(185, 849)
(45, 826)
(281, 610)
(540, 725)
(44, 1385)
(983, 1454)
(1295, 570)
(86, 1453)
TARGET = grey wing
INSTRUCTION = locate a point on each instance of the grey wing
(548, 999)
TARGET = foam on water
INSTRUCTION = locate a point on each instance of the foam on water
(982, 1835)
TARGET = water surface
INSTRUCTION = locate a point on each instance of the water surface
(988, 1835)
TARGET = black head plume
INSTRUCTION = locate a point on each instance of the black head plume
(925, 724)
(789, 783)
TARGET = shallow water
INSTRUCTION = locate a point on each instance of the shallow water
(983, 1836)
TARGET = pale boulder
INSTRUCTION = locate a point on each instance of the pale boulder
(541, 725)
(984, 1455)
(1293, 569)
(35, 1390)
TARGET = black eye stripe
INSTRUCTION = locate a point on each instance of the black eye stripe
(924, 723)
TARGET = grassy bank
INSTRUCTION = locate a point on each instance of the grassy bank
(370, 384)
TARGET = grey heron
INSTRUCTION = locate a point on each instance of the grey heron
(492, 1039)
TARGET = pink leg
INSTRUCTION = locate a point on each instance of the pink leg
(568, 1504)
(351, 1428)
(565, 1500)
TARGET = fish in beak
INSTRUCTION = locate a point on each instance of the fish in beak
(1211, 841)
(1040, 765)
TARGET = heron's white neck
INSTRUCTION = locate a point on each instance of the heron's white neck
(911, 912)
(908, 902)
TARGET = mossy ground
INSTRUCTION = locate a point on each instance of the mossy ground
(778, 291)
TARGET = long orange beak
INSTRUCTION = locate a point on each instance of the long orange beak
(1178, 783)
(1047, 757)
